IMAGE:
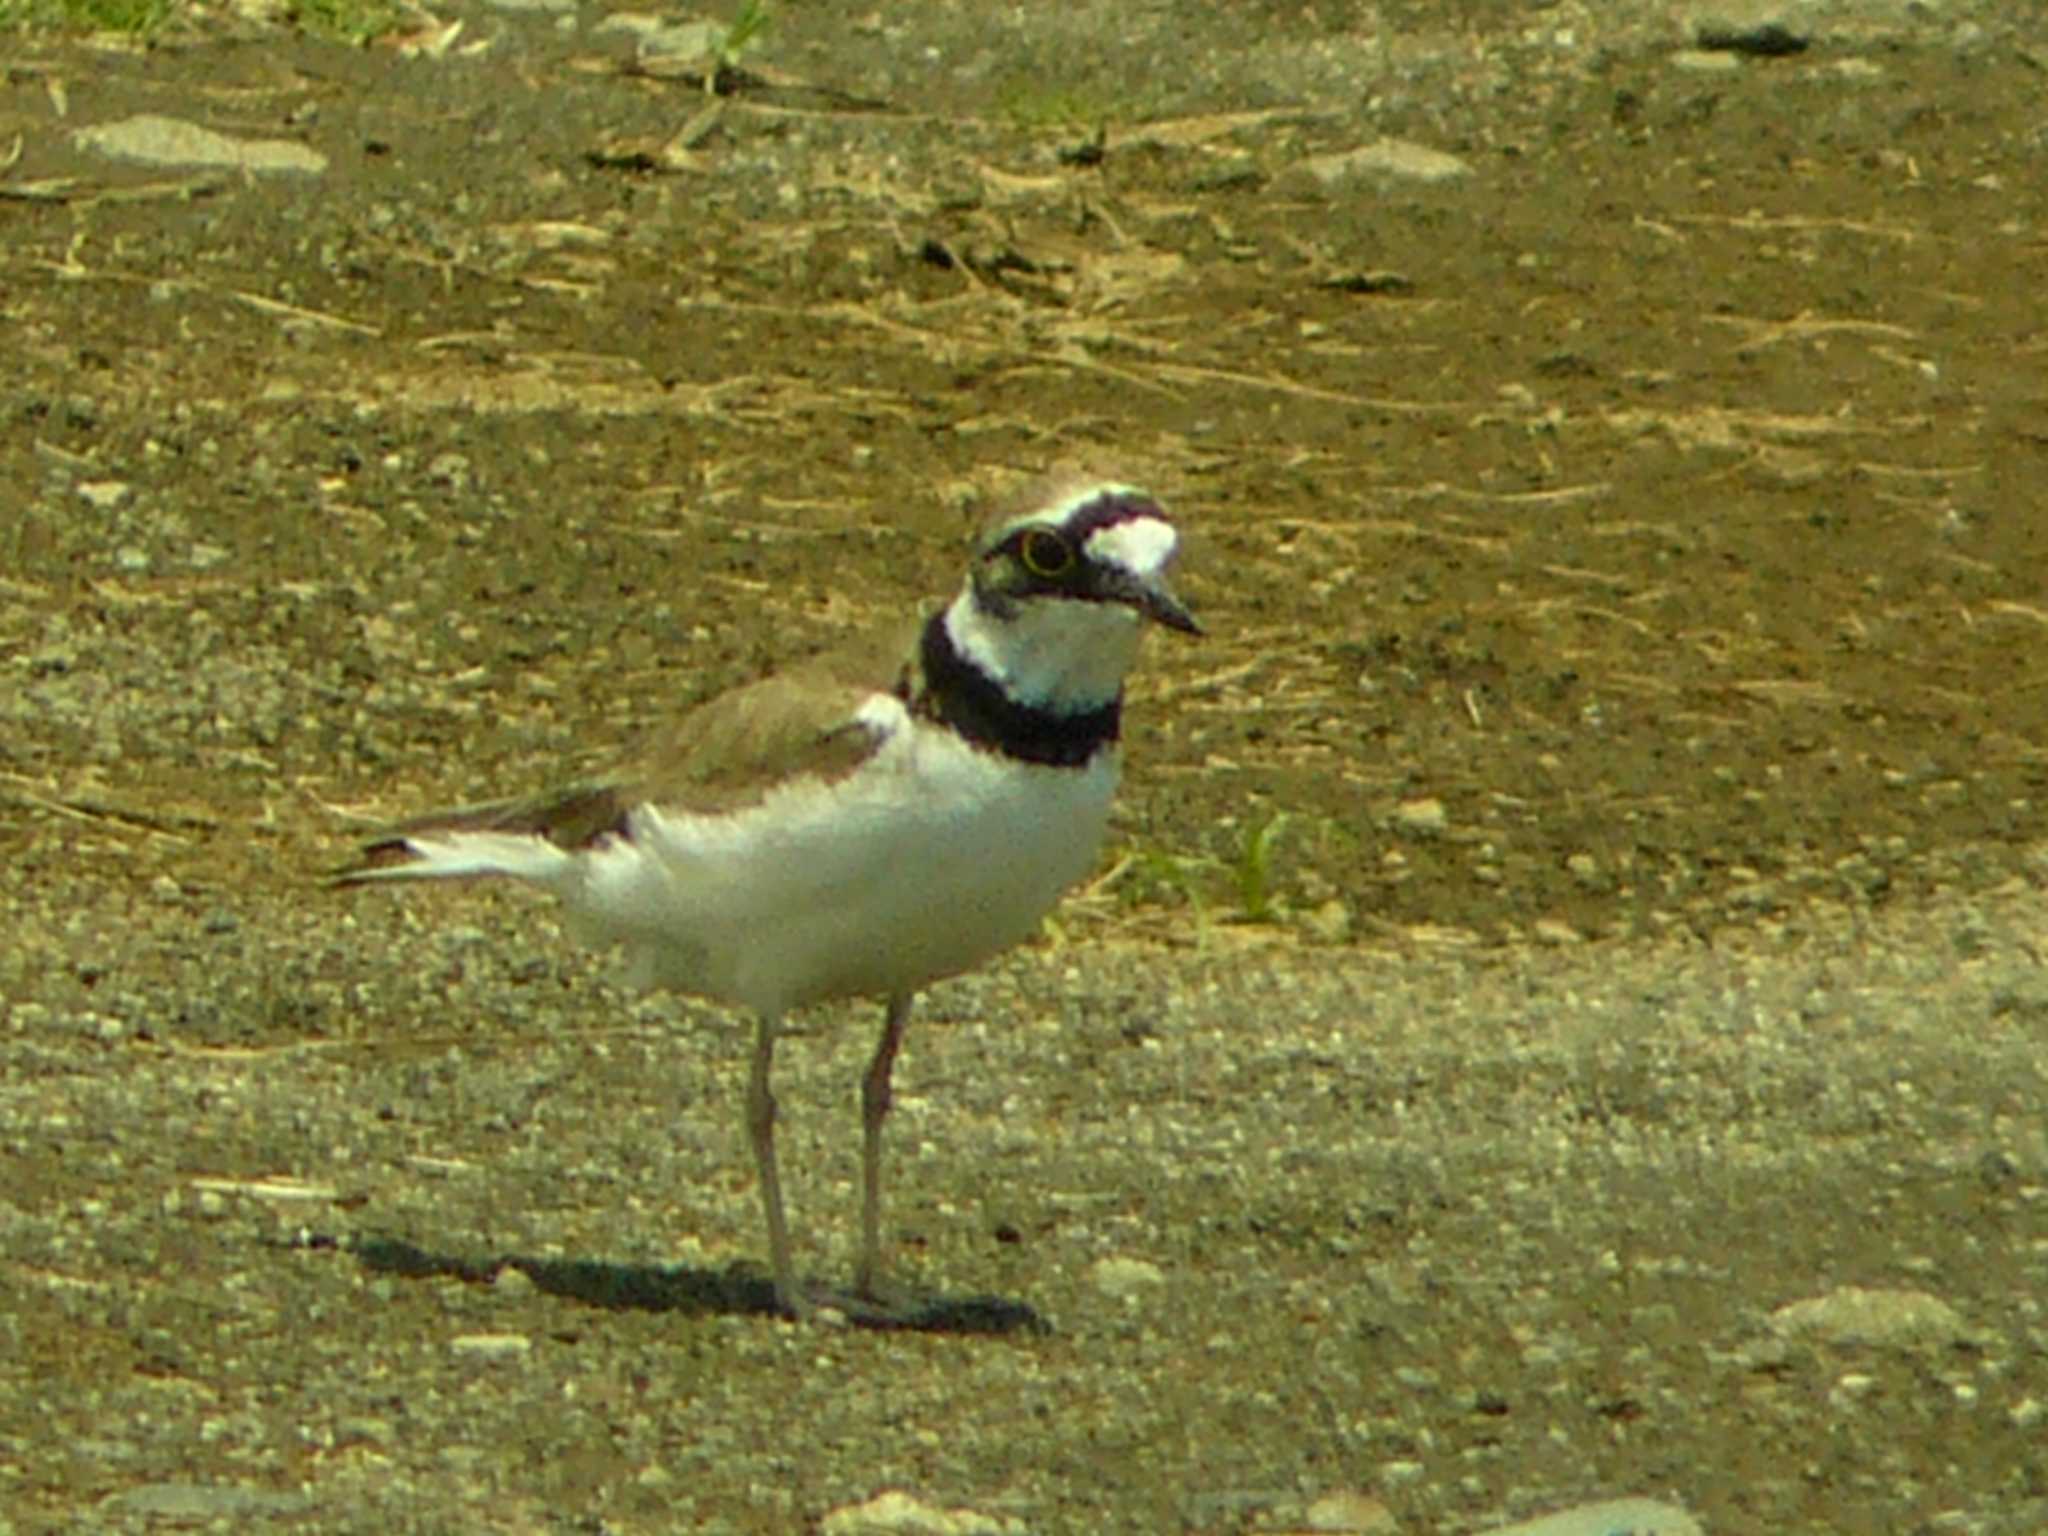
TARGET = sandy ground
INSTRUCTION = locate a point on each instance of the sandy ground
(1561, 1015)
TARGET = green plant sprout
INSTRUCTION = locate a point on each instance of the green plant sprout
(1256, 897)
(746, 28)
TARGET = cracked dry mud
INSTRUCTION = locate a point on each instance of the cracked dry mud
(1622, 561)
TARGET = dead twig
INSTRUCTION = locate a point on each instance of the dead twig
(74, 807)
(1755, 223)
(1194, 373)
(1801, 327)
(82, 194)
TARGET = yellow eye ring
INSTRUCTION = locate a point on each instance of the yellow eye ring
(1045, 554)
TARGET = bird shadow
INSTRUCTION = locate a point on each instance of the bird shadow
(737, 1290)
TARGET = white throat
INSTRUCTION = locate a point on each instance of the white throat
(1049, 652)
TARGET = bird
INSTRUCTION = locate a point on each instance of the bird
(861, 824)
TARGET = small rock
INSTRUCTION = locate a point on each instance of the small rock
(1854, 1315)
(660, 38)
(895, 1513)
(1125, 1278)
(1850, 1386)
(1696, 61)
(1636, 1517)
(491, 1346)
(1358, 1513)
(1585, 869)
(1421, 818)
(105, 495)
(1395, 159)
(152, 140)
(632, 23)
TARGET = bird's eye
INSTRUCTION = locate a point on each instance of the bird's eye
(1045, 554)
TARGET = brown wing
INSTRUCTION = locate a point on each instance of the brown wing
(731, 751)
(725, 754)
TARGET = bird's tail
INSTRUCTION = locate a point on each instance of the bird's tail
(523, 839)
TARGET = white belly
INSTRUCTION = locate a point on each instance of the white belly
(927, 860)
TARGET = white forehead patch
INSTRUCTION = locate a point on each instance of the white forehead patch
(1143, 546)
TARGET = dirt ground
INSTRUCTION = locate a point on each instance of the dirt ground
(1579, 901)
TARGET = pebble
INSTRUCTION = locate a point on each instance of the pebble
(1394, 159)
(1125, 1278)
(148, 139)
(1359, 1514)
(1851, 1314)
(491, 1346)
(896, 1513)
(105, 495)
(1421, 818)
(659, 38)
(1609, 1517)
